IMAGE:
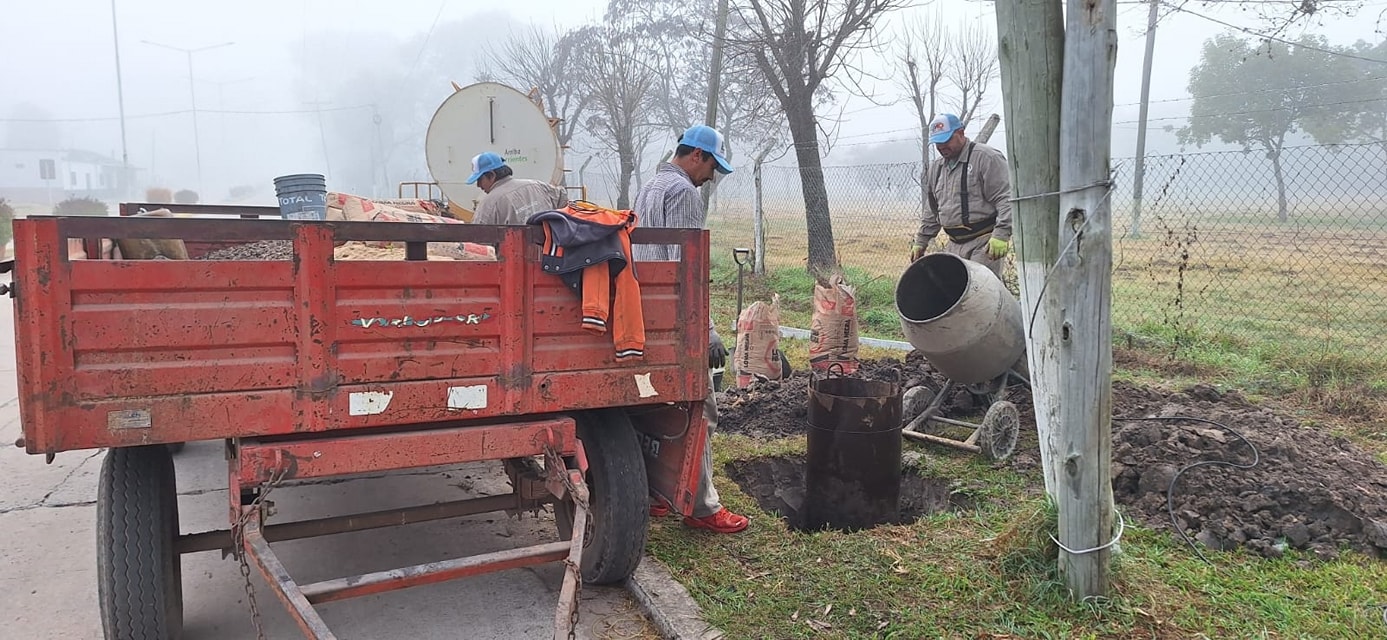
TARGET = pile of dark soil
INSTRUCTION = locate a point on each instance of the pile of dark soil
(1310, 490)
(779, 408)
(263, 250)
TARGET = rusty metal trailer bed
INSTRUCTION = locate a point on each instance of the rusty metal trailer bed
(313, 368)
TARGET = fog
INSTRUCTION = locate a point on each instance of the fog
(347, 88)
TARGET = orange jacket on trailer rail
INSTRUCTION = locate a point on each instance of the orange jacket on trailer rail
(589, 247)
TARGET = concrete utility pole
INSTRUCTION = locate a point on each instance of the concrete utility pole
(710, 117)
(192, 94)
(1030, 41)
(322, 133)
(1080, 299)
(124, 182)
(1140, 176)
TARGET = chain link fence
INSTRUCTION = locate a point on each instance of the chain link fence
(1220, 267)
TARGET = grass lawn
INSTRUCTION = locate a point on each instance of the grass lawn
(988, 572)
(978, 574)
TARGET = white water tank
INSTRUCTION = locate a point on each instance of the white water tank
(488, 116)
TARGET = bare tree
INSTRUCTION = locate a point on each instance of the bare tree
(974, 67)
(542, 60)
(675, 35)
(619, 81)
(922, 62)
(798, 45)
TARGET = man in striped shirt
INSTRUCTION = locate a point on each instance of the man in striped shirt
(671, 200)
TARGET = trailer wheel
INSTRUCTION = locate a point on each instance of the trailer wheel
(139, 576)
(619, 515)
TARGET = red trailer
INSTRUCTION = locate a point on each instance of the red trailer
(312, 368)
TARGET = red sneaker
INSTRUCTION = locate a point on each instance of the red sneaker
(723, 521)
(658, 508)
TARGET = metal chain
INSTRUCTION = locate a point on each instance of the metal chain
(238, 539)
(577, 597)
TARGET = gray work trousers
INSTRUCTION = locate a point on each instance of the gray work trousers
(975, 250)
(707, 502)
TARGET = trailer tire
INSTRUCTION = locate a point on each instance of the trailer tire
(619, 514)
(139, 574)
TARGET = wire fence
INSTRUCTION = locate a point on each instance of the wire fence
(1221, 266)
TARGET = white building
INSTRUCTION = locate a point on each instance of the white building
(52, 175)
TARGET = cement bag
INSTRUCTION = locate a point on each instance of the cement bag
(152, 249)
(363, 210)
(337, 200)
(833, 328)
(76, 249)
(757, 352)
(463, 250)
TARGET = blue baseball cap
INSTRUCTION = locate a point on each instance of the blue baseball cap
(485, 163)
(943, 127)
(708, 139)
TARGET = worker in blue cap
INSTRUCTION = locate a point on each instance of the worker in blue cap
(671, 200)
(510, 200)
(968, 196)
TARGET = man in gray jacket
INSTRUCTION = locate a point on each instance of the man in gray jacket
(510, 200)
(969, 197)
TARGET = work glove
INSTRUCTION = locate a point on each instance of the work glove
(917, 251)
(717, 353)
(997, 249)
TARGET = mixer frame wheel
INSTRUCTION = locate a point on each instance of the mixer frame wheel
(1000, 428)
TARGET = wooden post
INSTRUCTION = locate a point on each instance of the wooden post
(1139, 178)
(1080, 297)
(1031, 46)
(988, 127)
(758, 218)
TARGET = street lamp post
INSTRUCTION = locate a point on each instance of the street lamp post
(192, 94)
(123, 184)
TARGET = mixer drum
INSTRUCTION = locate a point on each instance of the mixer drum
(960, 316)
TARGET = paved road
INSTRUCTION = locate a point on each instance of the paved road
(48, 554)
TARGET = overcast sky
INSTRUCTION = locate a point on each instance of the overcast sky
(58, 56)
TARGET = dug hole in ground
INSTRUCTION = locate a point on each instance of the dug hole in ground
(1308, 490)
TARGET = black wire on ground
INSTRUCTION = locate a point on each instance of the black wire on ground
(1170, 491)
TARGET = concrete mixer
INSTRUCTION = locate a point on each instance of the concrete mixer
(965, 323)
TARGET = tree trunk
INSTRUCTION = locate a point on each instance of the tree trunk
(1282, 215)
(823, 259)
(924, 163)
(1080, 302)
(628, 169)
(933, 100)
(1031, 47)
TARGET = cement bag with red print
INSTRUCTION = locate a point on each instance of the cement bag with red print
(833, 328)
(758, 343)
